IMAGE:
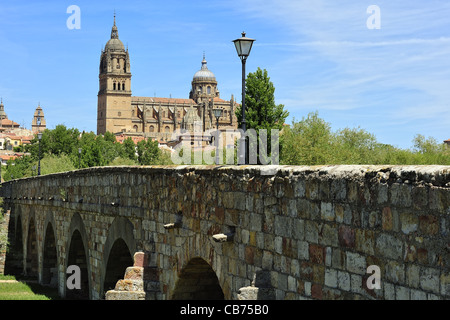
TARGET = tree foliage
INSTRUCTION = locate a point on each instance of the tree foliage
(59, 149)
(311, 142)
(261, 112)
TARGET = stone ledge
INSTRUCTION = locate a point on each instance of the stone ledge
(125, 295)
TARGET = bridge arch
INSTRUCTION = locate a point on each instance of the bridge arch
(15, 255)
(49, 253)
(197, 281)
(118, 252)
(78, 254)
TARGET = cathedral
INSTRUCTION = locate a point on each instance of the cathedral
(121, 113)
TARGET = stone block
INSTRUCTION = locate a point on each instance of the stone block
(413, 276)
(389, 246)
(346, 237)
(327, 211)
(387, 219)
(402, 293)
(328, 235)
(401, 195)
(316, 291)
(303, 250)
(298, 231)
(283, 226)
(140, 259)
(316, 253)
(308, 286)
(356, 263)
(125, 295)
(395, 272)
(338, 189)
(428, 225)
(429, 279)
(129, 285)
(445, 285)
(389, 291)
(331, 279)
(365, 241)
(338, 259)
(311, 231)
(344, 282)
(418, 295)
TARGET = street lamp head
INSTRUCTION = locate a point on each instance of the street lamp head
(79, 150)
(217, 112)
(243, 46)
(39, 135)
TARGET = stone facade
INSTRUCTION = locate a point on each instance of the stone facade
(237, 232)
(38, 124)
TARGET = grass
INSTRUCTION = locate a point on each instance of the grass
(22, 290)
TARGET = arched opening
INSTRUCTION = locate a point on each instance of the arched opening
(152, 129)
(119, 260)
(50, 266)
(198, 281)
(135, 128)
(78, 257)
(114, 86)
(31, 269)
(123, 86)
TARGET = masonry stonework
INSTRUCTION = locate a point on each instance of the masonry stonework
(236, 232)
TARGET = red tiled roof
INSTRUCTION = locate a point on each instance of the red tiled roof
(6, 157)
(135, 139)
(9, 123)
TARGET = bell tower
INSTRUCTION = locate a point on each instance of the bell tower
(114, 95)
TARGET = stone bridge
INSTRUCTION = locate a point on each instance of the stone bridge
(234, 232)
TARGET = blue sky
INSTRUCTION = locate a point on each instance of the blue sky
(393, 82)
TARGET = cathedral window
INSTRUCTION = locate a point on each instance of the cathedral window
(208, 90)
(152, 129)
(114, 86)
(167, 129)
(135, 128)
(123, 86)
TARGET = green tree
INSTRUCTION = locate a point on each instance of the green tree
(129, 149)
(308, 142)
(148, 152)
(354, 146)
(261, 112)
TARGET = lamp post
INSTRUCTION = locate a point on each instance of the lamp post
(79, 158)
(217, 114)
(39, 135)
(243, 47)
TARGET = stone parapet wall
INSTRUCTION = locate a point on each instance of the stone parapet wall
(266, 231)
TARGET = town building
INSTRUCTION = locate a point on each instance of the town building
(38, 123)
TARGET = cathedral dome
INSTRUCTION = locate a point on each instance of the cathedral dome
(115, 45)
(204, 73)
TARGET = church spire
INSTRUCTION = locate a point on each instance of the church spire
(114, 30)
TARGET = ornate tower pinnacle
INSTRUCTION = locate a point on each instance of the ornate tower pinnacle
(114, 30)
